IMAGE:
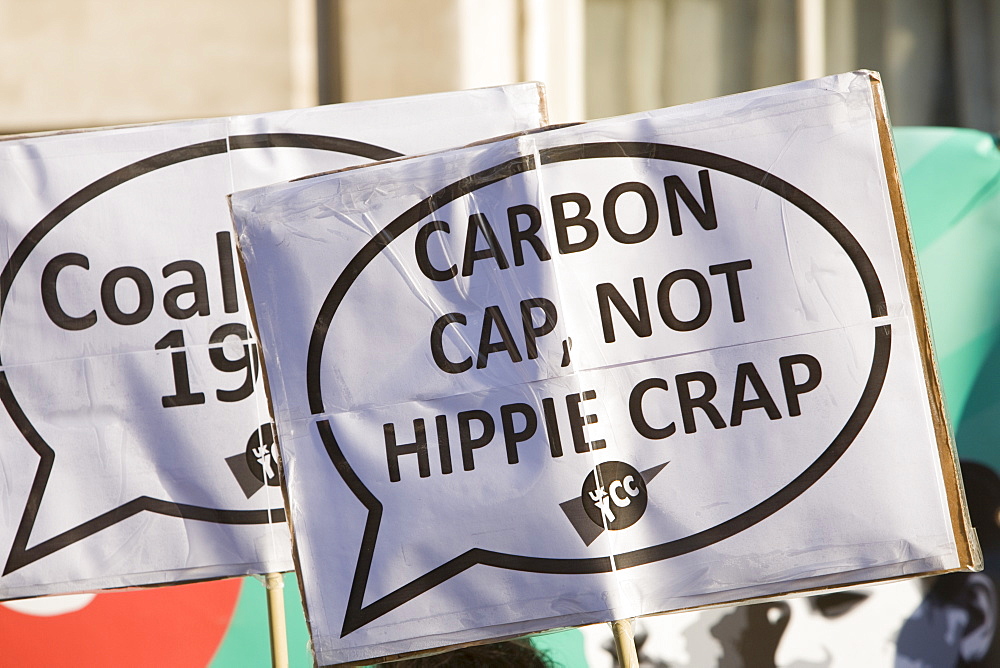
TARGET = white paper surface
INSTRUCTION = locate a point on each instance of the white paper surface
(129, 373)
(727, 338)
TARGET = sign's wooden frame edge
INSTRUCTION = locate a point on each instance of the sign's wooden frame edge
(966, 542)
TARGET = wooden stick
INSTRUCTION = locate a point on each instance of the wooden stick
(275, 585)
(625, 643)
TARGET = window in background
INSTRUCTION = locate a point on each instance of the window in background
(940, 60)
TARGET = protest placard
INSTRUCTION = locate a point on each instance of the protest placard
(135, 441)
(659, 362)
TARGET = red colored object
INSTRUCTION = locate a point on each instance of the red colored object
(167, 626)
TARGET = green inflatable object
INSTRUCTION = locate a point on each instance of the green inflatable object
(951, 179)
(247, 642)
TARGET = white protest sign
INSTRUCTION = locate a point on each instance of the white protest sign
(136, 443)
(638, 365)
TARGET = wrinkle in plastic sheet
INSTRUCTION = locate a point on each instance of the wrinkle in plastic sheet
(618, 600)
(292, 465)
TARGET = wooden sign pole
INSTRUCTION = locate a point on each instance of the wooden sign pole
(625, 643)
(275, 585)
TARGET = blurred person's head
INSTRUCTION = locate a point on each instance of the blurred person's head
(509, 654)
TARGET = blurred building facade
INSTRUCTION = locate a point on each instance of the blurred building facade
(82, 63)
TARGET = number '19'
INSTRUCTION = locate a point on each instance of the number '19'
(247, 362)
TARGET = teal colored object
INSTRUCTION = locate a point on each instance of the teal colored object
(563, 648)
(951, 181)
(247, 642)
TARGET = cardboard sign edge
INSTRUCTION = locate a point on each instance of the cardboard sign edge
(966, 542)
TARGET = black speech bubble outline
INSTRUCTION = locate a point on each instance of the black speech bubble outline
(358, 614)
(20, 554)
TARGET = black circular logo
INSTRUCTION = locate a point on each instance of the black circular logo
(614, 495)
(261, 459)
